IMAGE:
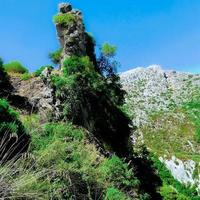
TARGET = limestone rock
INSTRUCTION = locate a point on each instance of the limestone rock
(64, 7)
(153, 89)
(37, 92)
(183, 171)
(72, 35)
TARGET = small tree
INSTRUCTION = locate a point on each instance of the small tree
(56, 56)
(107, 66)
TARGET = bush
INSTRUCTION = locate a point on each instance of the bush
(77, 64)
(108, 50)
(11, 129)
(5, 85)
(114, 194)
(64, 19)
(15, 67)
(118, 172)
(56, 56)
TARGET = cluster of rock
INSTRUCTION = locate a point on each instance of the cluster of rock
(186, 171)
(72, 35)
(153, 89)
(36, 94)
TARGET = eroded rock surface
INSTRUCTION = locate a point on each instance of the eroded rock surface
(72, 34)
(153, 89)
(36, 92)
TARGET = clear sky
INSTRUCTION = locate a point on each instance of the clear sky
(164, 32)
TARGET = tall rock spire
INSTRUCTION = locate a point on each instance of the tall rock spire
(70, 31)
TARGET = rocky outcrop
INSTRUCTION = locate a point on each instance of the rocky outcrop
(187, 172)
(153, 89)
(71, 34)
(36, 92)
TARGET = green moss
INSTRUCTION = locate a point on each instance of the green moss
(64, 19)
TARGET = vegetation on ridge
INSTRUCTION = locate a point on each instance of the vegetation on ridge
(15, 67)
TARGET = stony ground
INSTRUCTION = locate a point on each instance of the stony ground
(153, 89)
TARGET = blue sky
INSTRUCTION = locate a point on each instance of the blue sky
(165, 32)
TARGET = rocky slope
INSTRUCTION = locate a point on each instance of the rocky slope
(159, 103)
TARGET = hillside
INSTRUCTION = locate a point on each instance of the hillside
(77, 130)
(164, 105)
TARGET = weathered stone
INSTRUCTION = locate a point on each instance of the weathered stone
(64, 8)
(153, 89)
(72, 36)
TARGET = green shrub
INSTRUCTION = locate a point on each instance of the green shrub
(179, 190)
(170, 193)
(118, 172)
(108, 50)
(10, 129)
(77, 64)
(25, 76)
(114, 194)
(56, 56)
(64, 19)
(6, 110)
(15, 67)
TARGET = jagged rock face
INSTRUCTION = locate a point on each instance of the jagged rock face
(72, 35)
(36, 92)
(153, 89)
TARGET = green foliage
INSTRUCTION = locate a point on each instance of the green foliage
(77, 64)
(64, 19)
(1, 63)
(170, 193)
(118, 172)
(64, 159)
(90, 47)
(5, 85)
(15, 67)
(193, 110)
(172, 188)
(108, 50)
(26, 76)
(169, 133)
(6, 110)
(10, 129)
(56, 56)
(114, 194)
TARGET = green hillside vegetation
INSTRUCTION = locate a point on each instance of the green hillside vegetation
(10, 130)
(15, 67)
(83, 150)
(62, 164)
